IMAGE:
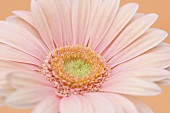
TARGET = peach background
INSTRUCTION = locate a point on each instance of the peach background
(161, 103)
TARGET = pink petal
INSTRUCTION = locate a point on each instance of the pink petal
(131, 86)
(65, 18)
(124, 105)
(135, 17)
(149, 74)
(18, 21)
(150, 60)
(166, 81)
(2, 99)
(24, 79)
(53, 19)
(19, 66)
(28, 98)
(100, 103)
(76, 104)
(161, 48)
(129, 34)
(117, 105)
(2, 77)
(147, 41)
(80, 19)
(105, 16)
(5, 89)
(141, 106)
(6, 66)
(94, 6)
(25, 15)
(71, 104)
(10, 54)
(29, 66)
(41, 24)
(87, 106)
(48, 105)
(123, 16)
(10, 66)
(21, 40)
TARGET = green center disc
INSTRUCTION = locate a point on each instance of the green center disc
(77, 68)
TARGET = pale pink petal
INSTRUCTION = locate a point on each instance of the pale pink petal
(25, 15)
(10, 66)
(124, 105)
(71, 104)
(2, 99)
(131, 86)
(105, 16)
(100, 103)
(21, 39)
(65, 18)
(135, 17)
(76, 104)
(141, 106)
(7, 66)
(28, 98)
(80, 19)
(10, 54)
(164, 44)
(29, 67)
(147, 41)
(118, 107)
(151, 60)
(53, 19)
(24, 79)
(129, 34)
(166, 81)
(5, 89)
(12, 16)
(41, 24)
(48, 105)
(161, 48)
(87, 106)
(94, 6)
(16, 20)
(2, 76)
(149, 74)
(123, 16)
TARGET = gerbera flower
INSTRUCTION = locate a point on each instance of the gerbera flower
(82, 56)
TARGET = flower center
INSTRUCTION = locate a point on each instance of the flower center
(75, 70)
(77, 67)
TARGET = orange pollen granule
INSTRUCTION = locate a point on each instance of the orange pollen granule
(65, 82)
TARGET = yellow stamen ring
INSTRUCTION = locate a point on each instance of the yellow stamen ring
(60, 68)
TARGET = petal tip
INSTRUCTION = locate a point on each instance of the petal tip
(134, 5)
(165, 33)
(154, 16)
(162, 33)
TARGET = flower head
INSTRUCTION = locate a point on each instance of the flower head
(82, 56)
